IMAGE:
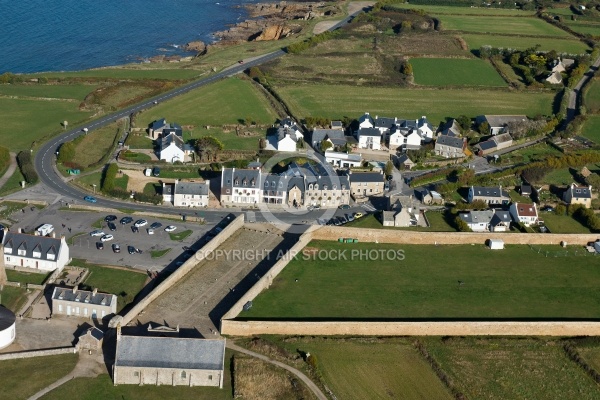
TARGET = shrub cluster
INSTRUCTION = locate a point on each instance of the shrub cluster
(108, 178)
(296, 48)
(25, 162)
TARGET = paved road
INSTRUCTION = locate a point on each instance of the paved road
(576, 92)
(46, 156)
(310, 384)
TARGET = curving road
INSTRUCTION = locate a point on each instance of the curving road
(45, 158)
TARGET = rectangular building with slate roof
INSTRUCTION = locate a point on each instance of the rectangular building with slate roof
(190, 194)
(336, 137)
(146, 360)
(36, 252)
(83, 303)
(578, 195)
(491, 195)
(241, 186)
(363, 184)
(450, 146)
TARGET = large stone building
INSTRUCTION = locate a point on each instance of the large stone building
(186, 194)
(83, 303)
(241, 186)
(146, 360)
(364, 184)
(41, 253)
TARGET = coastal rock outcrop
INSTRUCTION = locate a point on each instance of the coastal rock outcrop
(196, 47)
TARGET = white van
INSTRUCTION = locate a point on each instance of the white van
(45, 230)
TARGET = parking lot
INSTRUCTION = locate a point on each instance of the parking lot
(78, 225)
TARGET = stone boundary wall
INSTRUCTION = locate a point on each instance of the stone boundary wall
(180, 272)
(13, 284)
(266, 281)
(33, 286)
(413, 237)
(189, 218)
(462, 328)
(38, 353)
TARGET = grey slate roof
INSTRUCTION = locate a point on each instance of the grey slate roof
(401, 159)
(487, 145)
(175, 129)
(287, 130)
(369, 132)
(337, 124)
(424, 122)
(451, 129)
(366, 117)
(366, 177)
(472, 217)
(168, 352)
(500, 216)
(384, 122)
(336, 136)
(159, 123)
(450, 141)
(7, 318)
(231, 175)
(194, 188)
(581, 192)
(171, 138)
(489, 191)
(83, 296)
(42, 244)
(95, 333)
(502, 120)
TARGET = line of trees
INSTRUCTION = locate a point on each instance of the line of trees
(25, 162)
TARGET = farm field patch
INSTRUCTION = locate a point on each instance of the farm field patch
(591, 129)
(504, 25)
(475, 41)
(435, 10)
(455, 71)
(74, 92)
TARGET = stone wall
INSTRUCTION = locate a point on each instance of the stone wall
(166, 376)
(37, 353)
(180, 272)
(413, 237)
(266, 281)
(462, 328)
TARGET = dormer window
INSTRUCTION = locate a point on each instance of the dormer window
(266, 184)
(236, 181)
(244, 182)
(280, 185)
(316, 186)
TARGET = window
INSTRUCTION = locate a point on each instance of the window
(183, 375)
(227, 191)
(60, 308)
(210, 377)
(136, 373)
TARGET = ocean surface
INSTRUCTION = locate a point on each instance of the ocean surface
(67, 35)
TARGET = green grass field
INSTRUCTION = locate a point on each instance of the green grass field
(24, 277)
(371, 368)
(75, 92)
(561, 45)
(586, 27)
(131, 72)
(592, 96)
(511, 369)
(501, 25)
(517, 282)
(139, 141)
(591, 354)
(559, 177)
(224, 102)
(13, 298)
(26, 120)
(338, 101)
(591, 129)
(24, 377)
(441, 10)
(455, 71)
(91, 148)
(436, 220)
(563, 224)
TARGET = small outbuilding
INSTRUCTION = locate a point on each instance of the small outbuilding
(90, 340)
(496, 244)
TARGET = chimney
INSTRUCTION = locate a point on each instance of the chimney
(54, 235)
(119, 332)
(21, 230)
(176, 181)
(377, 117)
(366, 113)
(95, 292)
(75, 289)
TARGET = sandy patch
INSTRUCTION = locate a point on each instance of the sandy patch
(322, 26)
(137, 180)
(355, 6)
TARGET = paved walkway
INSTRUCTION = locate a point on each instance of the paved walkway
(310, 384)
(10, 171)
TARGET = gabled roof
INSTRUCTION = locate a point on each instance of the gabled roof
(409, 123)
(159, 123)
(231, 175)
(192, 188)
(489, 191)
(343, 156)
(169, 352)
(451, 128)
(498, 121)
(384, 122)
(366, 177)
(169, 139)
(474, 217)
(502, 138)
(500, 216)
(582, 192)
(424, 122)
(487, 145)
(450, 141)
(94, 332)
(525, 210)
(336, 136)
(21, 241)
(365, 117)
(369, 132)
(337, 124)
(404, 159)
(83, 296)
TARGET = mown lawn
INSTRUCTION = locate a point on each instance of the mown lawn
(22, 378)
(592, 96)
(559, 177)
(139, 141)
(223, 102)
(586, 27)
(13, 298)
(517, 282)
(135, 72)
(562, 223)
(91, 148)
(436, 10)
(27, 120)
(529, 26)
(437, 220)
(371, 368)
(511, 369)
(455, 71)
(25, 277)
(476, 40)
(75, 91)
(591, 129)
(591, 354)
(333, 101)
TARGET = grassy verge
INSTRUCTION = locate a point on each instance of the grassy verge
(518, 282)
(24, 377)
(563, 224)
(25, 277)
(159, 253)
(591, 128)
(13, 298)
(180, 235)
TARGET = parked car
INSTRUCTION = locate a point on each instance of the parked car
(107, 238)
(97, 232)
(110, 218)
(548, 209)
(135, 229)
(140, 222)
(150, 231)
(155, 171)
(155, 225)
(116, 248)
(126, 220)
(358, 215)
(344, 206)
(350, 217)
(90, 199)
(131, 249)
(112, 226)
(170, 228)
(100, 245)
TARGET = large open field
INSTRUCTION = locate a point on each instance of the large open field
(561, 45)
(133, 72)
(591, 129)
(501, 25)
(91, 148)
(76, 92)
(517, 282)
(586, 27)
(338, 101)
(371, 368)
(441, 10)
(224, 102)
(455, 71)
(512, 369)
(592, 96)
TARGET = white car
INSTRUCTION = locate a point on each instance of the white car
(97, 233)
(170, 228)
(140, 223)
(107, 238)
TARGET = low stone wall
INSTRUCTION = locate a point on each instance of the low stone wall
(84, 207)
(180, 272)
(463, 328)
(13, 284)
(266, 281)
(413, 237)
(38, 353)
(33, 286)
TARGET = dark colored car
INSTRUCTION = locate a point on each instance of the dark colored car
(135, 229)
(131, 249)
(126, 220)
(156, 225)
(100, 245)
(116, 248)
(110, 218)
(344, 207)
(112, 226)
(155, 171)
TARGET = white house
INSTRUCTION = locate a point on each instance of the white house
(498, 123)
(172, 148)
(241, 186)
(487, 220)
(396, 140)
(412, 141)
(186, 194)
(524, 213)
(288, 135)
(286, 143)
(41, 253)
(366, 121)
(343, 160)
(369, 138)
(425, 129)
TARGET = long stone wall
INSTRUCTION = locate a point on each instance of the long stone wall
(413, 237)
(180, 272)
(266, 281)
(38, 353)
(467, 328)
